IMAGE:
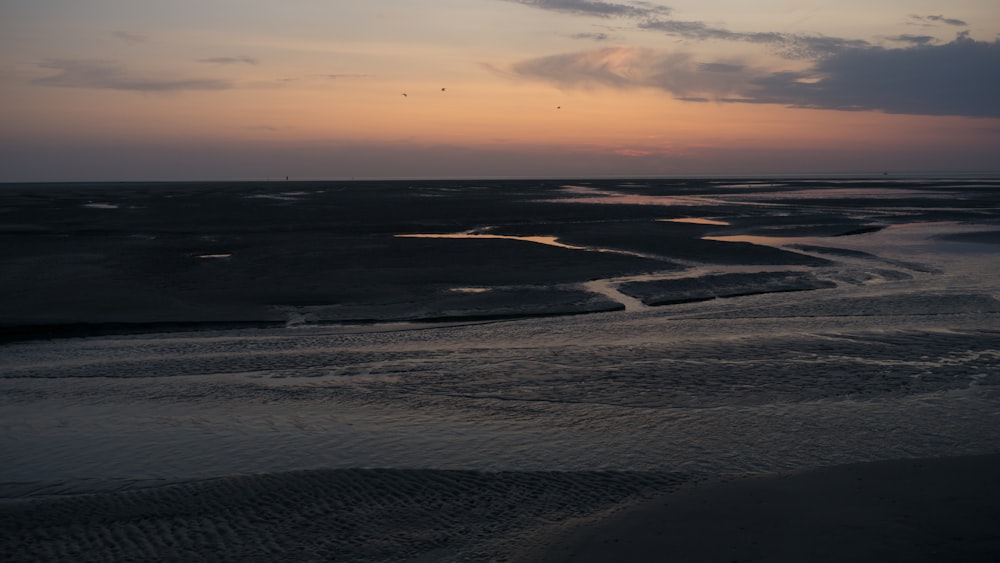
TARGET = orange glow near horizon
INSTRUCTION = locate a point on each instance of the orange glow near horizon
(483, 115)
(521, 83)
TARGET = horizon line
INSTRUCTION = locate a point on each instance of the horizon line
(929, 174)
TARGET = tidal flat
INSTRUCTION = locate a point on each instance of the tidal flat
(486, 370)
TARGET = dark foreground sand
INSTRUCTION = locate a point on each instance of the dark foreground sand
(945, 509)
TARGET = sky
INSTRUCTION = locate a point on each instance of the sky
(121, 90)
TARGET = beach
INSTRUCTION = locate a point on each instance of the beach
(941, 509)
(697, 370)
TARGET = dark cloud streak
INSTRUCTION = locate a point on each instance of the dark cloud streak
(720, 67)
(592, 36)
(230, 60)
(109, 75)
(913, 39)
(703, 32)
(653, 17)
(788, 45)
(817, 46)
(931, 20)
(129, 37)
(599, 9)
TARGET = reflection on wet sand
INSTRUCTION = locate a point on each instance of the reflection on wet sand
(610, 287)
(866, 192)
(470, 289)
(593, 195)
(761, 240)
(695, 221)
(548, 241)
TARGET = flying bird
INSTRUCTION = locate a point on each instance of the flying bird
(443, 89)
(404, 94)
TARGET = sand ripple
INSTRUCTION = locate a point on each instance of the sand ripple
(331, 515)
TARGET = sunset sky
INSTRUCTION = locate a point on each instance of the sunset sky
(229, 89)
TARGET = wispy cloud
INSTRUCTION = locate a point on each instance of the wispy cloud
(955, 78)
(721, 67)
(635, 9)
(129, 37)
(928, 21)
(702, 31)
(913, 39)
(110, 75)
(591, 36)
(634, 67)
(654, 18)
(793, 46)
(342, 76)
(230, 60)
(817, 46)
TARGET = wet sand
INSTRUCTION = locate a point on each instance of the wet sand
(340, 515)
(925, 510)
(252, 373)
(110, 258)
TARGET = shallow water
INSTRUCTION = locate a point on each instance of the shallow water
(893, 353)
(516, 396)
(900, 359)
(899, 368)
